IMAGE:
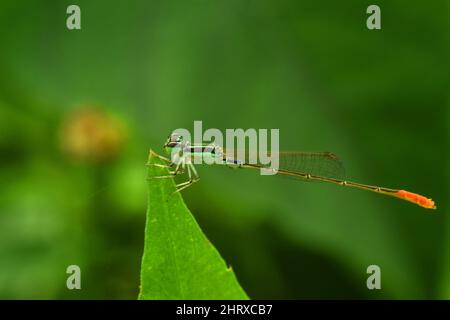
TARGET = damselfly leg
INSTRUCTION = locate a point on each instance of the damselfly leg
(181, 163)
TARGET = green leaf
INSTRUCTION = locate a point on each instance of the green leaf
(179, 262)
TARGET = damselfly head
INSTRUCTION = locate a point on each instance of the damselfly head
(173, 140)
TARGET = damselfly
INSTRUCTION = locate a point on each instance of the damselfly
(306, 166)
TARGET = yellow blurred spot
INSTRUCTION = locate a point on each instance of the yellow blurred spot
(92, 134)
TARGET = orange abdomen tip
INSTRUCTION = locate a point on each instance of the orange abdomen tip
(416, 198)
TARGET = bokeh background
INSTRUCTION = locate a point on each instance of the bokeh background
(79, 111)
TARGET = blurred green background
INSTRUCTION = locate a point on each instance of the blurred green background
(79, 111)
